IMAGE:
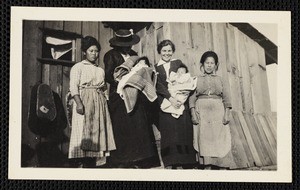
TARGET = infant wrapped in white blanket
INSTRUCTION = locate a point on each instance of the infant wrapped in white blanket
(180, 84)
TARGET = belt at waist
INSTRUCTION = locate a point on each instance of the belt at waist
(209, 97)
(99, 89)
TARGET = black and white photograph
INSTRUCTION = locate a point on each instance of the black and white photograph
(113, 94)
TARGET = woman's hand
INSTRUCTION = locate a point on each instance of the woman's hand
(195, 119)
(226, 119)
(79, 105)
(175, 103)
(80, 109)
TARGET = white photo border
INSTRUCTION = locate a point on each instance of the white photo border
(284, 151)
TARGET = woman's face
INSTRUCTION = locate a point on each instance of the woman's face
(166, 53)
(209, 65)
(92, 54)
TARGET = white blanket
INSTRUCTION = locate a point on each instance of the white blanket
(180, 86)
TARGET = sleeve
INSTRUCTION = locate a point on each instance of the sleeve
(104, 86)
(226, 94)
(161, 89)
(75, 80)
(121, 70)
(105, 90)
(109, 68)
(192, 99)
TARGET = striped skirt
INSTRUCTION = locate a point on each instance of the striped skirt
(97, 118)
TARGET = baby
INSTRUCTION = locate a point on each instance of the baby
(180, 84)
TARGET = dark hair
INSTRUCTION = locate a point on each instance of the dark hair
(183, 66)
(209, 54)
(143, 58)
(89, 41)
(165, 43)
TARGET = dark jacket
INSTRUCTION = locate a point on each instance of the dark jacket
(162, 84)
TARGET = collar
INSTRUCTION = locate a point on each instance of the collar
(161, 62)
(85, 62)
(205, 74)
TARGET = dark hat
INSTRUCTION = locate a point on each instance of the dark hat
(124, 38)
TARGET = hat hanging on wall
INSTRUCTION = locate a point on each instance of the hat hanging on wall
(124, 38)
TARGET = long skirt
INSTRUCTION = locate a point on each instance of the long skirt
(177, 139)
(212, 139)
(100, 122)
(133, 133)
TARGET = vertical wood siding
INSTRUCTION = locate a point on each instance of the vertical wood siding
(31, 74)
(242, 64)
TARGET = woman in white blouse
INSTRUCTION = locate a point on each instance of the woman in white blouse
(91, 136)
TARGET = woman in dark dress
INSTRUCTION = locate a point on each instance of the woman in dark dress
(176, 134)
(134, 138)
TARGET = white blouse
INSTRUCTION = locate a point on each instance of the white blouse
(85, 74)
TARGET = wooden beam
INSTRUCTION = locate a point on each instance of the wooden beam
(245, 81)
(237, 148)
(265, 141)
(178, 37)
(242, 136)
(31, 74)
(233, 75)
(254, 74)
(264, 86)
(250, 140)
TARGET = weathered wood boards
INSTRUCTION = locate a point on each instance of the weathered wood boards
(240, 150)
(233, 68)
(258, 142)
(242, 64)
(105, 34)
(52, 74)
(31, 74)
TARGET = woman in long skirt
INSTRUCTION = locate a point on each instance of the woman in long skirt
(210, 107)
(91, 133)
(176, 133)
(133, 131)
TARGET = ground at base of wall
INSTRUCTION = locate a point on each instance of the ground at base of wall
(264, 168)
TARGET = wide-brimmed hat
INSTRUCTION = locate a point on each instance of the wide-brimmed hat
(124, 38)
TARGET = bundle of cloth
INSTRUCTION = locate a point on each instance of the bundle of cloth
(134, 75)
(179, 85)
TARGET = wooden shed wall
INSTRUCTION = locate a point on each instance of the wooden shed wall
(57, 76)
(241, 59)
(242, 63)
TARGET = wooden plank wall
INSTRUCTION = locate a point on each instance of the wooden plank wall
(242, 65)
(31, 74)
(57, 76)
